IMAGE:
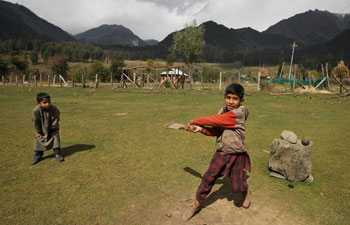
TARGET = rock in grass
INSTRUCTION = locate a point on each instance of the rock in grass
(290, 160)
(310, 179)
(289, 136)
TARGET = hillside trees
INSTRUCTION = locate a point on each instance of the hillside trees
(170, 60)
(210, 74)
(4, 67)
(101, 70)
(280, 64)
(116, 63)
(20, 66)
(72, 51)
(47, 51)
(34, 57)
(77, 72)
(59, 66)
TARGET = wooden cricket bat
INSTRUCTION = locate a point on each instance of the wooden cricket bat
(174, 126)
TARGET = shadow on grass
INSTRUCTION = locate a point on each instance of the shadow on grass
(70, 150)
(225, 191)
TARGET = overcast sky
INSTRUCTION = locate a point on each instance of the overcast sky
(155, 19)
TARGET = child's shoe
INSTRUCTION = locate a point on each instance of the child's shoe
(37, 157)
(191, 211)
(59, 158)
(35, 160)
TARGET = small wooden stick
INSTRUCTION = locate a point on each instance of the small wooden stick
(301, 84)
(339, 82)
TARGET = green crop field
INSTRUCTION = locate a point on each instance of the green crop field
(123, 167)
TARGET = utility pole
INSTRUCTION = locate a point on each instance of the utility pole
(291, 60)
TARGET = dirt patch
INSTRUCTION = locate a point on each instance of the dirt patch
(225, 208)
(311, 90)
(119, 114)
(324, 92)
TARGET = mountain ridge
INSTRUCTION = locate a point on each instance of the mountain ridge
(110, 34)
(17, 21)
(311, 27)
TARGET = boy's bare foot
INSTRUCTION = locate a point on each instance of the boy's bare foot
(246, 202)
(191, 211)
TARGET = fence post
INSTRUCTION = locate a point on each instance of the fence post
(96, 81)
(35, 84)
(24, 77)
(220, 81)
(16, 81)
(340, 86)
(258, 87)
(3, 80)
(328, 82)
(156, 81)
(202, 80)
(122, 79)
(41, 77)
(48, 80)
(309, 78)
(134, 80)
(147, 78)
(111, 80)
(82, 80)
(11, 79)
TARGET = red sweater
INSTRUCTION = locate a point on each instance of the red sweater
(228, 127)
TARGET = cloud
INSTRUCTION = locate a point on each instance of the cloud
(181, 6)
(145, 18)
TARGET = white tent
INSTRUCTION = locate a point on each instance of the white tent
(173, 71)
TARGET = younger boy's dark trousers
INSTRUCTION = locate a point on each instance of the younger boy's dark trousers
(39, 154)
(223, 164)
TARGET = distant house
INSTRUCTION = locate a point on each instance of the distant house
(173, 75)
(173, 71)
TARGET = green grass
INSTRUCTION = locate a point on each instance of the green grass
(119, 169)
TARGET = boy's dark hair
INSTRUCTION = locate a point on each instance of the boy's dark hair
(235, 89)
(41, 96)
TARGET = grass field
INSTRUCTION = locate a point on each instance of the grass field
(122, 166)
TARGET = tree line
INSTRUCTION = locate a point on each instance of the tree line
(72, 51)
(59, 66)
(81, 52)
(59, 52)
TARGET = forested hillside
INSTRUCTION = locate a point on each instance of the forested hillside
(18, 22)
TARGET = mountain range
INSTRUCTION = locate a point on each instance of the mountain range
(312, 30)
(18, 22)
(110, 35)
(312, 27)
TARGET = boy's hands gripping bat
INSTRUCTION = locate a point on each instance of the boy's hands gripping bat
(179, 126)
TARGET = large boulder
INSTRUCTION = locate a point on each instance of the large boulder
(290, 158)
